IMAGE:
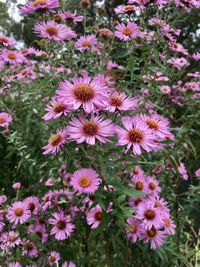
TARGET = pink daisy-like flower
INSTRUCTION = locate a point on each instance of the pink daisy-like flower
(40, 230)
(137, 171)
(149, 215)
(126, 32)
(12, 56)
(33, 204)
(7, 41)
(56, 109)
(182, 170)
(72, 17)
(126, 9)
(30, 249)
(94, 217)
(5, 119)
(89, 93)
(54, 257)
(85, 181)
(10, 239)
(140, 183)
(55, 143)
(121, 102)
(197, 173)
(136, 135)
(62, 226)
(86, 43)
(152, 186)
(165, 89)
(16, 185)
(154, 236)
(68, 264)
(178, 63)
(133, 231)
(54, 31)
(169, 225)
(39, 5)
(18, 213)
(83, 130)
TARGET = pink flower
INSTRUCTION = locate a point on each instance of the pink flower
(5, 119)
(196, 56)
(197, 173)
(32, 204)
(154, 236)
(68, 264)
(12, 56)
(56, 109)
(14, 264)
(133, 230)
(94, 217)
(40, 230)
(38, 5)
(149, 215)
(153, 187)
(89, 93)
(140, 183)
(121, 102)
(182, 170)
(86, 43)
(112, 65)
(30, 249)
(54, 31)
(16, 186)
(178, 63)
(10, 239)
(136, 135)
(54, 257)
(49, 182)
(55, 143)
(7, 41)
(169, 225)
(85, 181)
(18, 213)
(82, 130)
(165, 89)
(126, 32)
(122, 9)
(72, 17)
(62, 226)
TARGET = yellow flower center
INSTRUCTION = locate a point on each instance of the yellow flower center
(135, 135)
(127, 31)
(84, 182)
(83, 92)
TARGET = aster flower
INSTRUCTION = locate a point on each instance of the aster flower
(140, 183)
(154, 236)
(33, 204)
(165, 89)
(112, 65)
(5, 119)
(68, 264)
(152, 186)
(105, 33)
(133, 229)
(136, 135)
(55, 143)
(39, 5)
(18, 213)
(149, 215)
(12, 56)
(14, 264)
(83, 130)
(62, 226)
(121, 102)
(54, 31)
(56, 109)
(94, 217)
(178, 63)
(7, 41)
(126, 32)
(9, 239)
(169, 225)
(182, 170)
(87, 92)
(40, 230)
(197, 173)
(30, 250)
(126, 9)
(85, 181)
(54, 257)
(72, 17)
(87, 42)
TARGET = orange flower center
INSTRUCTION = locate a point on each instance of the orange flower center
(85, 43)
(4, 39)
(12, 56)
(127, 31)
(39, 2)
(52, 259)
(149, 214)
(2, 120)
(55, 139)
(167, 222)
(115, 101)
(57, 17)
(84, 182)
(83, 92)
(90, 128)
(61, 225)
(151, 232)
(58, 108)
(52, 31)
(31, 206)
(157, 204)
(152, 124)
(23, 72)
(19, 212)
(139, 186)
(135, 136)
(152, 186)
(133, 228)
(29, 246)
(11, 238)
(98, 216)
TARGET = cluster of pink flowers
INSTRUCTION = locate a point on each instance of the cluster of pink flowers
(151, 222)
